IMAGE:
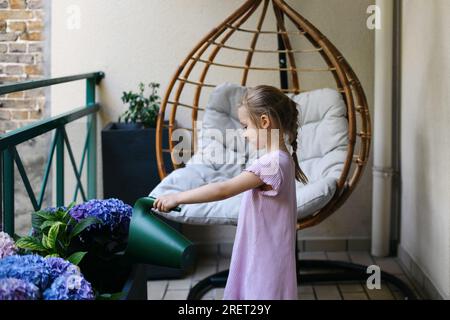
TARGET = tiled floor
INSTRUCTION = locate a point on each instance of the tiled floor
(179, 289)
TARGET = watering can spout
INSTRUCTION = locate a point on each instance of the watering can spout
(152, 241)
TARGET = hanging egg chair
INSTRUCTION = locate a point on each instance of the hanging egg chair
(190, 82)
(285, 50)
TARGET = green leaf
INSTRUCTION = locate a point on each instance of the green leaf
(71, 205)
(76, 257)
(53, 234)
(83, 224)
(66, 217)
(36, 221)
(53, 255)
(71, 221)
(140, 107)
(61, 246)
(48, 223)
(30, 243)
(45, 242)
(58, 214)
(46, 215)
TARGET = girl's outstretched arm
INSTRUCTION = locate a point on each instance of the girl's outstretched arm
(210, 192)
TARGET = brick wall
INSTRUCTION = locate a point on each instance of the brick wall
(22, 52)
(22, 24)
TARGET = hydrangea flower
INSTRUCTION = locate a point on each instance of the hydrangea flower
(7, 245)
(58, 266)
(56, 277)
(114, 213)
(17, 289)
(31, 268)
(69, 287)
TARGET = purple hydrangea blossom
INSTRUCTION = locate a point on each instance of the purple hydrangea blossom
(69, 287)
(17, 289)
(7, 245)
(113, 213)
(58, 266)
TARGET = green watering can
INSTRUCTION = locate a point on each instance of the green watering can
(152, 241)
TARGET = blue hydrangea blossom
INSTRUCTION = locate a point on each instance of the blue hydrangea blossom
(55, 277)
(69, 287)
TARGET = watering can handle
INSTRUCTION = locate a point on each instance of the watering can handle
(178, 209)
(152, 241)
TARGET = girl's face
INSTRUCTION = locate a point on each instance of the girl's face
(256, 137)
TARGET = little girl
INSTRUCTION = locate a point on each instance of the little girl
(263, 265)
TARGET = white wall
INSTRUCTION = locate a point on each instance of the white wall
(344, 23)
(425, 152)
(145, 40)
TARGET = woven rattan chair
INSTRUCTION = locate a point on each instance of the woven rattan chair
(191, 84)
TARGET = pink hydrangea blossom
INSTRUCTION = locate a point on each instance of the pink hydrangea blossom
(7, 245)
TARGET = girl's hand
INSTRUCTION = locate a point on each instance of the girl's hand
(165, 202)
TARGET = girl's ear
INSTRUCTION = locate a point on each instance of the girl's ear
(265, 121)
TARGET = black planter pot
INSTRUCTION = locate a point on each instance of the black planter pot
(116, 275)
(130, 171)
(135, 286)
(107, 276)
(129, 161)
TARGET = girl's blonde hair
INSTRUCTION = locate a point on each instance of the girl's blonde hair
(281, 109)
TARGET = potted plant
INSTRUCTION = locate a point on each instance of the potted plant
(142, 111)
(128, 147)
(129, 158)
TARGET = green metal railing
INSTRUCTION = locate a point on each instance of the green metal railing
(9, 155)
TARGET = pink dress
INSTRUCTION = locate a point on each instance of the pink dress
(263, 259)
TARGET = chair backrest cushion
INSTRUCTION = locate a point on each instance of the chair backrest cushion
(322, 148)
